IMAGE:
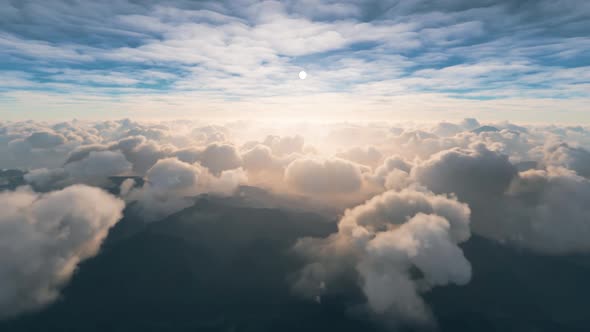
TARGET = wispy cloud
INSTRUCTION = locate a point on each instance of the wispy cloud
(360, 52)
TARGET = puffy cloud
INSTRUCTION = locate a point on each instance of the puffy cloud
(24, 150)
(44, 178)
(548, 211)
(258, 158)
(172, 175)
(128, 144)
(216, 157)
(369, 155)
(446, 129)
(423, 242)
(94, 168)
(391, 173)
(144, 155)
(126, 187)
(565, 155)
(219, 157)
(98, 165)
(210, 134)
(44, 237)
(469, 173)
(284, 145)
(470, 123)
(170, 185)
(45, 140)
(83, 151)
(384, 242)
(479, 166)
(354, 135)
(332, 176)
(542, 210)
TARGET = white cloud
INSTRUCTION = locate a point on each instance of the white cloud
(44, 237)
(171, 185)
(219, 157)
(332, 176)
(385, 238)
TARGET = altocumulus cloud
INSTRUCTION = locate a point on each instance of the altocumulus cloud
(379, 52)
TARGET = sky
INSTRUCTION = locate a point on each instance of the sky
(367, 60)
(414, 129)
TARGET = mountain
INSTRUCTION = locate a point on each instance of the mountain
(211, 267)
(221, 265)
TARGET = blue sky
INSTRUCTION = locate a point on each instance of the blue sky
(398, 60)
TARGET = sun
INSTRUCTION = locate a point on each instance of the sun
(302, 74)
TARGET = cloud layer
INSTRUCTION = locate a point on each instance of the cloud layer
(406, 196)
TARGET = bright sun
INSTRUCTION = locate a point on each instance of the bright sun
(302, 74)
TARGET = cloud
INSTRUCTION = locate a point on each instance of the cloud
(219, 157)
(332, 176)
(285, 145)
(43, 178)
(392, 167)
(171, 185)
(259, 158)
(45, 237)
(469, 173)
(146, 154)
(45, 140)
(564, 155)
(358, 54)
(94, 168)
(99, 165)
(382, 241)
(368, 156)
(480, 167)
(521, 209)
(406, 195)
(547, 211)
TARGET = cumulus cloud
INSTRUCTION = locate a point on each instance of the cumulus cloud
(392, 173)
(571, 157)
(284, 145)
(259, 158)
(382, 242)
(219, 157)
(210, 134)
(44, 237)
(469, 173)
(170, 185)
(45, 140)
(542, 210)
(547, 211)
(144, 155)
(369, 155)
(44, 178)
(83, 151)
(99, 165)
(477, 162)
(316, 177)
(94, 168)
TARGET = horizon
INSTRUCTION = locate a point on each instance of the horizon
(294, 165)
(494, 60)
